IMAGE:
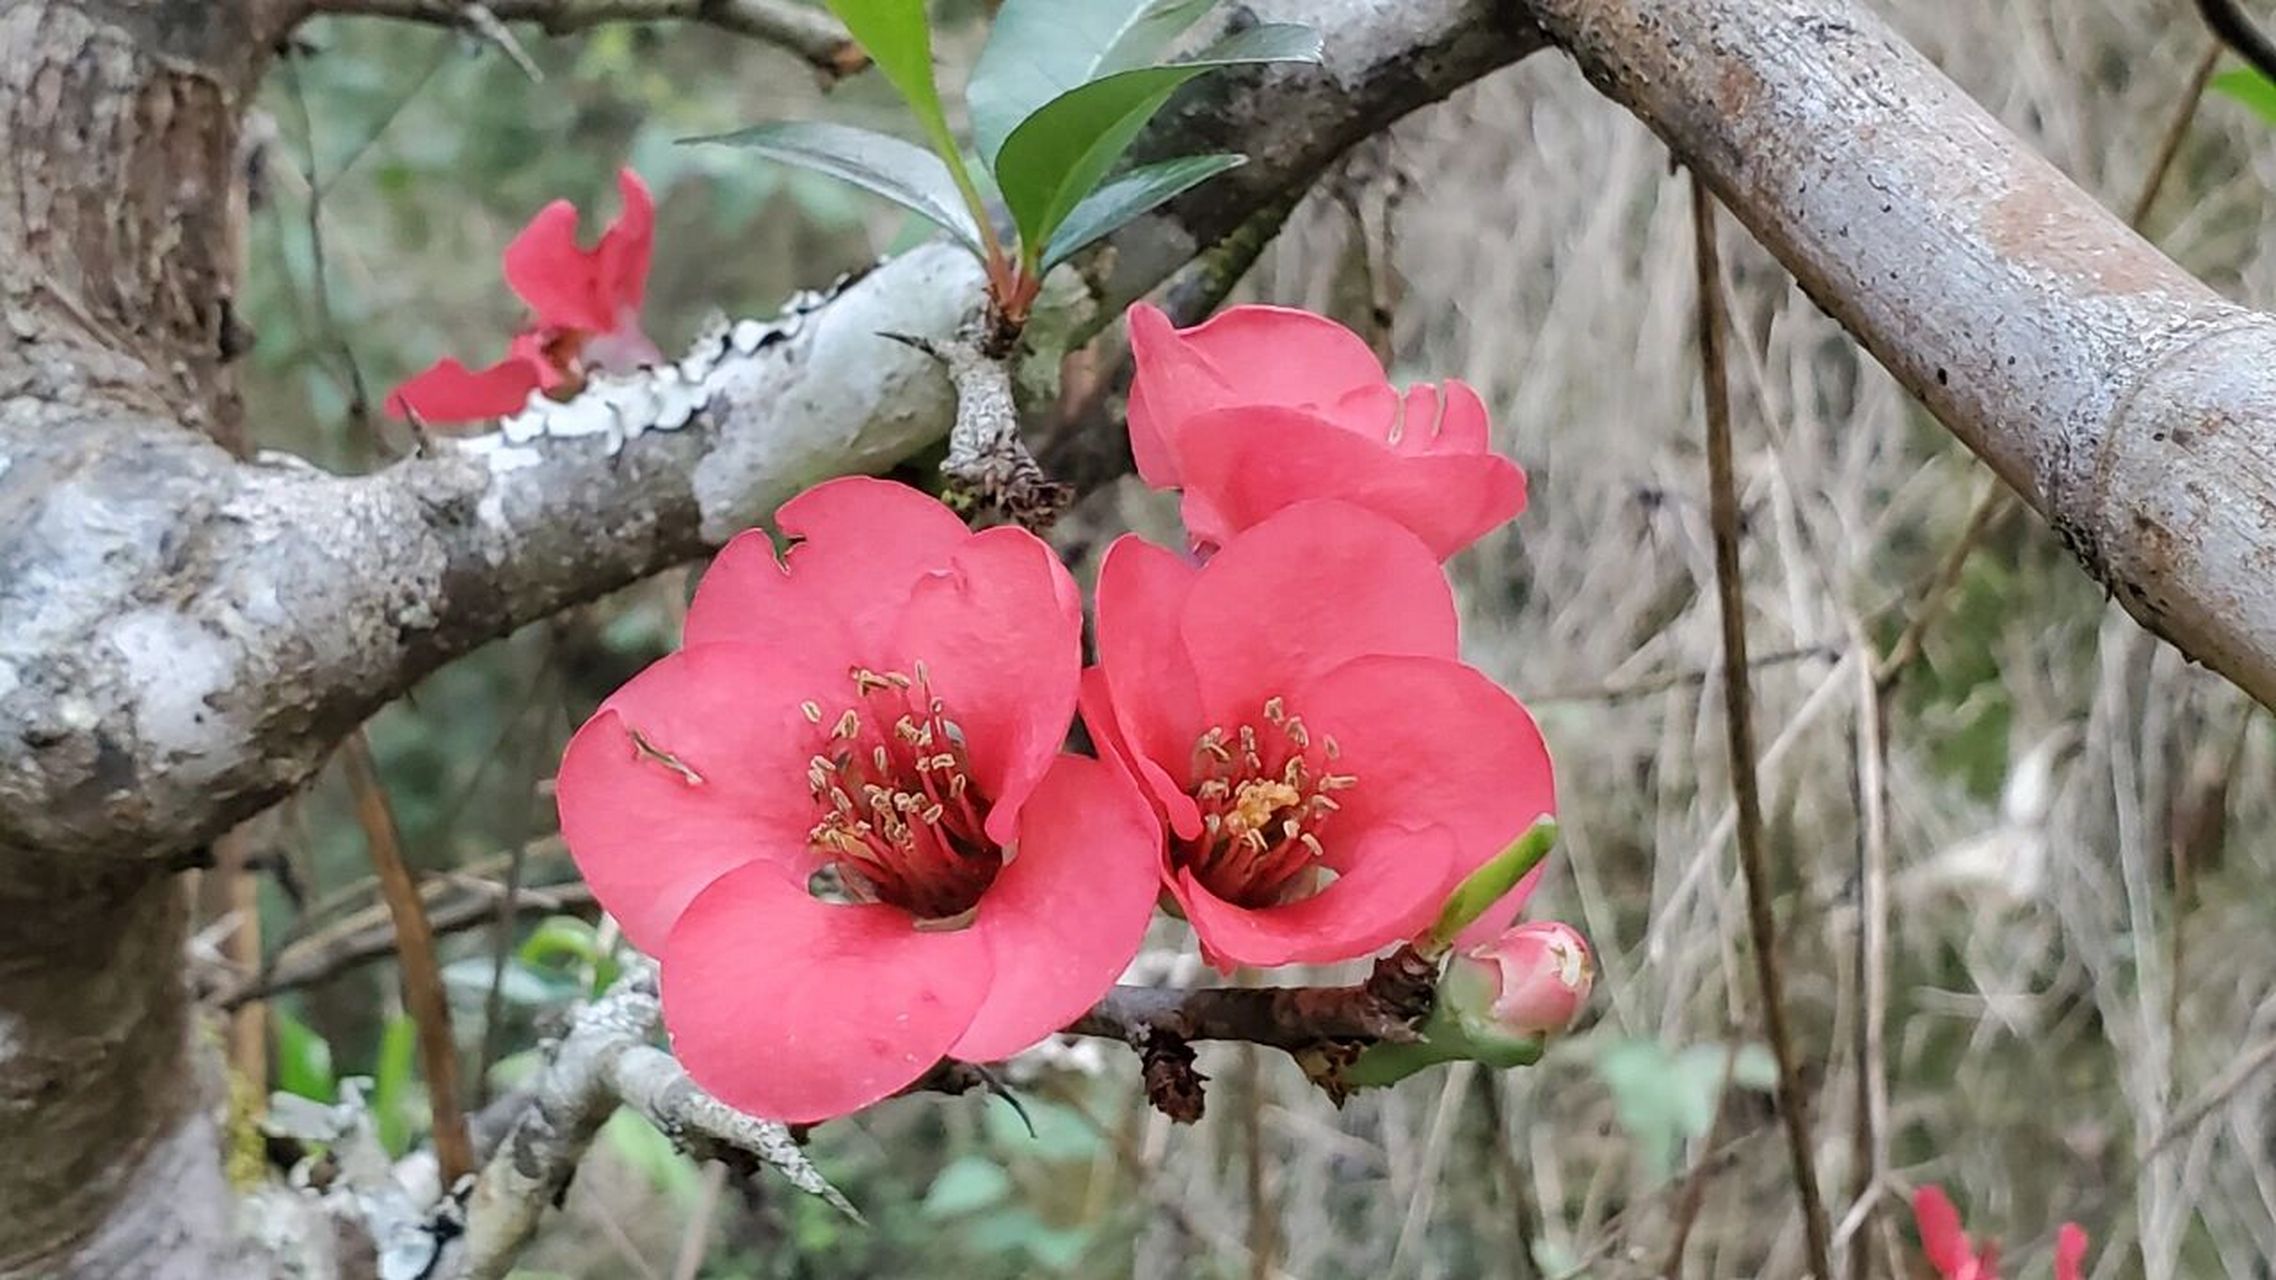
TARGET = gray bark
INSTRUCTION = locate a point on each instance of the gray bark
(2133, 407)
(186, 634)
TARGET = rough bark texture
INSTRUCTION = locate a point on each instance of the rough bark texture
(2130, 404)
(185, 635)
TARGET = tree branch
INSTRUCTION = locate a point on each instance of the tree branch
(606, 1060)
(808, 32)
(186, 638)
(2118, 394)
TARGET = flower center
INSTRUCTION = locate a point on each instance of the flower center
(901, 820)
(1264, 798)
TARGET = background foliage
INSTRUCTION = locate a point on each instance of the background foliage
(2078, 822)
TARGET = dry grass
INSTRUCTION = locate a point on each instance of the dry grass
(2034, 1047)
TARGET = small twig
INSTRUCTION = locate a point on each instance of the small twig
(1870, 1156)
(1738, 715)
(1385, 1007)
(606, 1060)
(415, 955)
(986, 456)
(486, 24)
(808, 32)
(368, 936)
(320, 285)
(2236, 31)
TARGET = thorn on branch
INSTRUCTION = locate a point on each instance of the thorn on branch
(987, 460)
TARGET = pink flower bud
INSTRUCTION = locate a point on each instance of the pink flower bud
(1530, 981)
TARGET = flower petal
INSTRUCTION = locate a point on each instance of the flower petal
(865, 544)
(1463, 425)
(1431, 740)
(1504, 913)
(1105, 726)
(1942, 1241)
(799, 1010)
(448, 391)
(645, 835)
(1142, 594)
(622, 256)
(1066, 915)
(1243, 465)
(1391, 886)
(1000, 630)
(2070, 1251)
(590, 290)
(1305, 591)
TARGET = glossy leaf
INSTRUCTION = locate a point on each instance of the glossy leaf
(1127, 197)
(304, 1060)
(1058, 155)
(1040, 49)
(902, 172)
(898, 38)
(2250, 88)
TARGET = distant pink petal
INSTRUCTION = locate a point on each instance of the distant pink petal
(449, 392)
(1243, 465)
(646, 838)
(1064, 918)
(571, 287)
(2070, 1252)
(1942, 1241)
(1000, 631)
(863, 545)
(621, 259)
(1391, 886)
(798, 1010)
(1307, 590)
(1431, 740)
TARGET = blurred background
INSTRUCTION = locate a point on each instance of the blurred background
(2071, 827)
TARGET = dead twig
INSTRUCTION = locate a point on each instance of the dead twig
(423, 993)
(808, 32)
(1739, 723)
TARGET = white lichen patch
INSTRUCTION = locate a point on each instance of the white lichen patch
(174, 666)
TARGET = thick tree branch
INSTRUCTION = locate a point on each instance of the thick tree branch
(809, 32)
(184, 638)
(2104, 383)
(2124, 399)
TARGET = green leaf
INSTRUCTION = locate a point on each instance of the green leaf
(1124, 198)
(1489, 884)
(897, 37)
(304, 1060)
(1039, 49)
(902, 172)
(1058, 155)
(2251, 88)
(967, 1184)
(394, 1111)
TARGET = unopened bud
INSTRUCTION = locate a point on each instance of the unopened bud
(1530, 981)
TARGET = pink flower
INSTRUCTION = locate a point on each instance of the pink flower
(841, 818)
(1953, 1257)
(1263, 407)
(1530, 981)
(586, 304)
(1327, 769)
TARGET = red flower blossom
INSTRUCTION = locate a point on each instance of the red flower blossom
(1953, 1257)
(1262, 407)
(586, 304)
(878, 716)
(1327, 769)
